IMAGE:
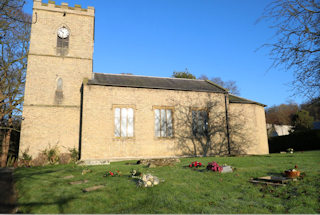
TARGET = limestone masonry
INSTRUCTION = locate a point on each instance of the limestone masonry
(117, 117)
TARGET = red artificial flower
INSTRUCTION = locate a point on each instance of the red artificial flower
(111, 173)
(190, 165)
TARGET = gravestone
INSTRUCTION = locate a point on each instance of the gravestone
(159, 162)
(68, 177)
(89, 189)
(226, 169)
(78, 182)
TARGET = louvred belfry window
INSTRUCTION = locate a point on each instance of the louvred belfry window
(123, 121)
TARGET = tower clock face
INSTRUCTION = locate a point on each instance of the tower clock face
(63, 33)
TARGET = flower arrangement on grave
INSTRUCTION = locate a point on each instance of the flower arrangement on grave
(135, 174)
(148, 180)
(292, 173)
(112, 174)
(290, 150)
(195, 164)
(214, 166)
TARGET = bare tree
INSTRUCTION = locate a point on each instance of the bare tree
(281, 114)
(202, 130)
(297, 42)
(14, 44)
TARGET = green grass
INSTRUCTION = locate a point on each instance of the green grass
(43, 190)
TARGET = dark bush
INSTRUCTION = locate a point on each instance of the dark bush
(299, 141)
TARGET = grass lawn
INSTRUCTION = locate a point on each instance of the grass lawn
(43, 189)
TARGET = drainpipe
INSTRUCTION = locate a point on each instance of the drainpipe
(227, 121)
(80, 123)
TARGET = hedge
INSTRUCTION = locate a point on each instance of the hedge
(299, 141)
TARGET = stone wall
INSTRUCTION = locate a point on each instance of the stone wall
(251, 118)
(99, 141)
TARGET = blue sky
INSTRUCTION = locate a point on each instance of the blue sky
(217, 38)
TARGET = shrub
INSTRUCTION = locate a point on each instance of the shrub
(25, 159)
(74, 154)
(41, 160)
(52, 154)
(298, 141)
(11, 161)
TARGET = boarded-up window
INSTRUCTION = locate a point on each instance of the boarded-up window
(123, 121)
(163, 123)
(200, 123)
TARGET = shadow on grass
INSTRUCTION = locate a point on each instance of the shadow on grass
(27, 174)
(61, 203)
(277, 174)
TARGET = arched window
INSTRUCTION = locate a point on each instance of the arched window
(59, 84)
(59, 91)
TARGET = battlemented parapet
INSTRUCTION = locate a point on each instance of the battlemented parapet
(63, 8)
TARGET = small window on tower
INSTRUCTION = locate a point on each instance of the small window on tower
(63, 41)
(59, 84)
(59, 91)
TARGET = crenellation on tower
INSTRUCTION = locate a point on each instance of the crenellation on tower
(63, 8)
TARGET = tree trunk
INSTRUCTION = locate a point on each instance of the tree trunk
(5, 148)
(6, 144)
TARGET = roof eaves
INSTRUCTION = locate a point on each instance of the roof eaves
(216, 85)
(245, 101)
(92, 82)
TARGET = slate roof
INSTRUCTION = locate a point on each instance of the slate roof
(237, 99)
(135, 81)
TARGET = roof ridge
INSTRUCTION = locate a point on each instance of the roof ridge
(148, 76)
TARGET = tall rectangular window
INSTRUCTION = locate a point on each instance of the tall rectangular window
(123, 121)
(200, 120)
(163, 123)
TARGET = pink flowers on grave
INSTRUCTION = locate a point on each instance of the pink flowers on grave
(214, 166)
(195, 164)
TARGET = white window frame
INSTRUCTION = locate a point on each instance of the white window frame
(163, 122)
(124, 122)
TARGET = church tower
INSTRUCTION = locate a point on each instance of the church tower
(60, 58)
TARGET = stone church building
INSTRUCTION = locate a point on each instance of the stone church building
(114, 116)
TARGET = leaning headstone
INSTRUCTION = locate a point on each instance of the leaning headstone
(89, 189)
(226, 169)
(68, 177)
(159, 162)
(85, 171)
(78, 182)
(93, 162)
(65, 158)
